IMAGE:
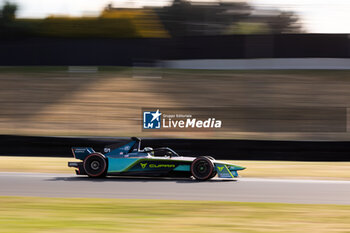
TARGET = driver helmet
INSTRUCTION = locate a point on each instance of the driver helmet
(147, 149)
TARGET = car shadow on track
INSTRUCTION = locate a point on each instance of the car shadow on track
(137, 179)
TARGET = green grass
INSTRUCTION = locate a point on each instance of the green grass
(296, 170)
(33, 214)
(35, 164)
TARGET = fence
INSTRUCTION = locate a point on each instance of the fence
(220, 149)
(127, 52)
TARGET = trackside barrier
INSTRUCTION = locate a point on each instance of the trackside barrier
(220, 149)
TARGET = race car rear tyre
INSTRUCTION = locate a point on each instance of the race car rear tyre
(95, 165)
(202, 168)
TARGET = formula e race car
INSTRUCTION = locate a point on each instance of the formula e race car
(127, 159)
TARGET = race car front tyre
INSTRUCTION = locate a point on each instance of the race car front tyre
(209, 157)
(202, 168)
(95, 165)
(214, 174)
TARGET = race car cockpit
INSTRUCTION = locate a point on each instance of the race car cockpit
(129, 149)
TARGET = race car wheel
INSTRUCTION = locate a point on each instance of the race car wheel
(202, 168)
(95, 165)
(209, 157)
(214, 174)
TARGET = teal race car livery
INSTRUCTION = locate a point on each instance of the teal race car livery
(127, 159)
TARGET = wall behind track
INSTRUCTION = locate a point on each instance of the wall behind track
(220, 149)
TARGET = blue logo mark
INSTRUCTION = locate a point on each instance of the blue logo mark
(151, 120)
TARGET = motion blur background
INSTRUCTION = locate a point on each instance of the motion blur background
(89, 67)
(276, 72)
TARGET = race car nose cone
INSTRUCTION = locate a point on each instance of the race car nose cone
(239, 168)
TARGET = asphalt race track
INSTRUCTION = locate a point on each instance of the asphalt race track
(242, 189)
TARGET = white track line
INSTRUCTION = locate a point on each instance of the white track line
(241, 179)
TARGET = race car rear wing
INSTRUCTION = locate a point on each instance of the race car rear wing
(114, 149)
(82, 152)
